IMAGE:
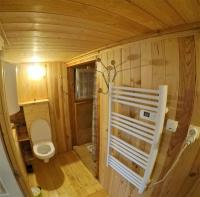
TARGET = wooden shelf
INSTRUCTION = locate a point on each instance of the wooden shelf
(22, 134)
(28, 157)
(33, 102)
(23, 137)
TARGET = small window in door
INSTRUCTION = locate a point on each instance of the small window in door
(84, 83)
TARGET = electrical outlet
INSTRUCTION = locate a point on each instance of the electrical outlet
(193, 134)
(171, 125)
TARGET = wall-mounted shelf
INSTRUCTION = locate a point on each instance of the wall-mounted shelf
(22, 138)
(28, 157)
(33, 102)
(22, 134)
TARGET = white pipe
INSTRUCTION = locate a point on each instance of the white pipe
(129, 156)
(126, 168)
(126, 175)
(138, 95)
(132, 134)
(137, 89)
(135, 105)
(133, 129)
(136, 151)
(134, 120)
(135, 100)
(144, 129)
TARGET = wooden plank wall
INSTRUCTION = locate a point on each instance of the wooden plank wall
(27, 89)
(36, 111)
(8, 135)
(54, 88)
(59, 107)
(174, 61)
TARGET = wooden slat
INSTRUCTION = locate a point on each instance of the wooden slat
(58, 28)
(24, 55)
(188, 10)
(72, 8)
(186, 98)
(42, 34)
(162, 10)
(54, 19)
(114, 22)
(127, 9)
(58, 105)
(27, 90)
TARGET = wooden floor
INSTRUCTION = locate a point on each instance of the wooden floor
(65, 176)
(86, 157)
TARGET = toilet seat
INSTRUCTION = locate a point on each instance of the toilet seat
(44, 150)
(43, 147)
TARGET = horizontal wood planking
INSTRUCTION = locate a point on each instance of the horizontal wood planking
(23, 55)
(59, 19)
(189, 10)
(59, 28)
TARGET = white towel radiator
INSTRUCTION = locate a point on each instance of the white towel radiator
(144, 99)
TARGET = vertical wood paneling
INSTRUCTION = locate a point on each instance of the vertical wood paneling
(193, 174)
(57, 102)
(135, 63)
(28, 89)
(146, 65)
(196, 110)
(171, 48)
(103, 170)
(71, 98)
(168, 61)
(53, 87)
(195, 191)
(158, 63)
(66, 108)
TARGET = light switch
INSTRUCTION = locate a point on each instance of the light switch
(171, 125)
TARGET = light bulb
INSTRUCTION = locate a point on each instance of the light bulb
(36, 72)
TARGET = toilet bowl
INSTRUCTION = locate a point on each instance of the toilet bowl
(43, 147)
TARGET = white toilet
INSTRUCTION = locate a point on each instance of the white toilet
(43, 147)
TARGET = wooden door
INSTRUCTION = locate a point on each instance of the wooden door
(83, 121)
(80, 108)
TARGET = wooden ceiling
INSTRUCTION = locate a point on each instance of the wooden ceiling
(62, 29)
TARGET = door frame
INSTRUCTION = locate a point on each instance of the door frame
(8, 139)
(71, 97)
(12, 186)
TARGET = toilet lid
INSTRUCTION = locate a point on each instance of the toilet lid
(40, 131)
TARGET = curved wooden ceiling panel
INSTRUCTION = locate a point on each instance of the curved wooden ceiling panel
(78, 26)
(74, 9)
(54, 19)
